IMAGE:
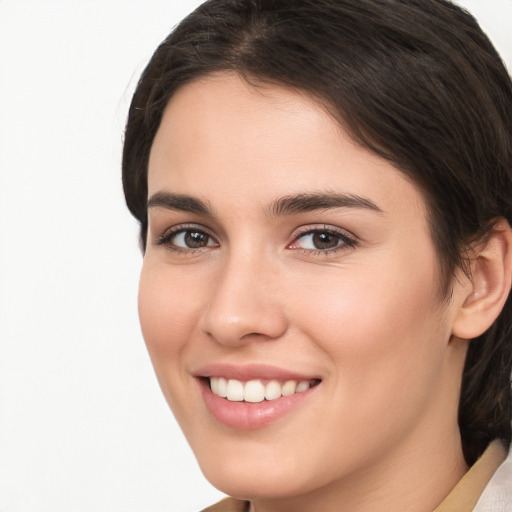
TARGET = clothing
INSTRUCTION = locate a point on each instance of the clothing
(229, 505)
(466, 493)
(486, 487)
(497, 496)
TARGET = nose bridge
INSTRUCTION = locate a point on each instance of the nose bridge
(243, 304)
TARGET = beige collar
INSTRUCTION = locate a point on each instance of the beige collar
(466, 493)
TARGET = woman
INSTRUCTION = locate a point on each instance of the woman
(324, 190)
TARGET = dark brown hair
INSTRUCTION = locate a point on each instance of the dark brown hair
(415, 81)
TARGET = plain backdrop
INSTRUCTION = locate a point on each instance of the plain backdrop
(83, 426)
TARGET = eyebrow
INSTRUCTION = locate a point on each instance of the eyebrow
(179, 202)
(307, 202)
(287, 205)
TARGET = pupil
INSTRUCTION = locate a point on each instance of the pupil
(195, 240)
(325, 240)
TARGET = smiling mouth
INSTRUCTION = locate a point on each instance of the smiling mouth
(255, 391)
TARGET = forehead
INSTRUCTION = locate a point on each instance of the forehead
(222, 138)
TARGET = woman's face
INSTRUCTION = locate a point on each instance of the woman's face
(285, 261)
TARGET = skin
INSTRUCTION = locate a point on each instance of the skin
(380, 430)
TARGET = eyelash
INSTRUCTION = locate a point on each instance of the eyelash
(345, 240)
(166, 238)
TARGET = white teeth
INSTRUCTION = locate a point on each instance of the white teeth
(235, 391)
(303, 386)
(254, 391)
(214, 386)
(273, 390)
(222, 387)
(289, 388)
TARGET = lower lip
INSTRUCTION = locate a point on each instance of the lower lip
(251, 416)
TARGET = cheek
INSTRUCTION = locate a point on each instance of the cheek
(379, 327)
(167, 312)
(383, 340)
(169, 309)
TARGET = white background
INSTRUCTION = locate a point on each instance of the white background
(83, 426)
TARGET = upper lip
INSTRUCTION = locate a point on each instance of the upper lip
(248, 372)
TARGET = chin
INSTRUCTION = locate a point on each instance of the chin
(253, 470)
(245, 484)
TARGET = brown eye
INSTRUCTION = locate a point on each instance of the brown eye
(320, 240)
(195, 239)
(190, 239)
(324, 240)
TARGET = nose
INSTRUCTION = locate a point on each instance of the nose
(242, 305)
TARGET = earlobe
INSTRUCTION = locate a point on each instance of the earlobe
(489, 283)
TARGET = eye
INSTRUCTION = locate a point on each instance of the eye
(323, 240)
(183, 239)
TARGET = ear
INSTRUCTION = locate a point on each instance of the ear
(484, 296)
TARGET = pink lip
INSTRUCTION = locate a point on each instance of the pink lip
(244, 415)
(249, 372)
